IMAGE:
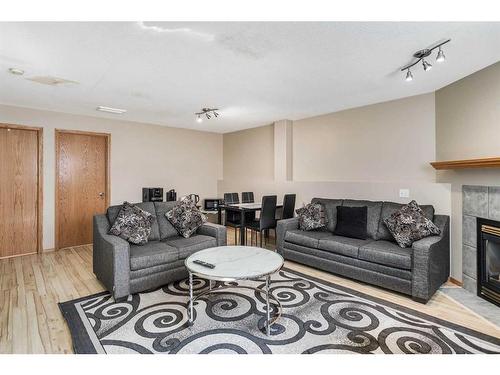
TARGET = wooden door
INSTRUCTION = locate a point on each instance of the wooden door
(82, 185)
(19, 191)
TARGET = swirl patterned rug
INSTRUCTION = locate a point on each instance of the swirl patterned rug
(318, 317)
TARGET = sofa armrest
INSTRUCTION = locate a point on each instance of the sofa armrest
(281, 228)
(431, 261)
(219, 232)
(111, 258)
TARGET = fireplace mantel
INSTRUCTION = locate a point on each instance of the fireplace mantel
(467, 163)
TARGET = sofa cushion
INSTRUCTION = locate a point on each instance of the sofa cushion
(132, 224)
(409, 224)
(351, 222)
(388, 208)
(312, 216)
(188, 246)
(330, 210)
(320, 259)
(166, 228)
(373, 216)
(342, 245)
(186, 217)
(113, 211)
(306, 238)
(151, 254)
(386, 253)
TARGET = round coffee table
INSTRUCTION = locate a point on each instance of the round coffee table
(233, 263)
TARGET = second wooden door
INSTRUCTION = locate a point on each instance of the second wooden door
(82, 185)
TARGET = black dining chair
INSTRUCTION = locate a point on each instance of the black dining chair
(247, 197)
(233, 218)
(267, 218)
(288, 206)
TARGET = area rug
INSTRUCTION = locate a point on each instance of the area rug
(317, 317)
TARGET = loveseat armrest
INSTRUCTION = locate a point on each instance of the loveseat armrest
(219, 232)
(281, 228)
(111, 258)
(431, 261)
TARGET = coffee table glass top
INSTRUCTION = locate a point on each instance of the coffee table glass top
(235, 263)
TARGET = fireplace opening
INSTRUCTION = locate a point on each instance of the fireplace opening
(488, 260)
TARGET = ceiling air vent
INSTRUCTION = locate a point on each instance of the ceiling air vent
(51, 81)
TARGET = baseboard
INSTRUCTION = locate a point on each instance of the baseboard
(455, 281)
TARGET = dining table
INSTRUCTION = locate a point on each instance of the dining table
(242, 208)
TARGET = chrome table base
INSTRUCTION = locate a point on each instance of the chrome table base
(269, 320)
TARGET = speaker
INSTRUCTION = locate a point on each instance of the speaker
(152, 194)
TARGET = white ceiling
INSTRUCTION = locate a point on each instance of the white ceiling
(256, 73)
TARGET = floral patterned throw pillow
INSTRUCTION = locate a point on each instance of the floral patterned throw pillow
(185, 217)
(132, 224)
(409, 224)
(311, 216)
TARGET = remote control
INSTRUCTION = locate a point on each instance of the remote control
(204, 264)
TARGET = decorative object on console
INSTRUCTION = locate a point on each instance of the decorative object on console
(152, 194)
(171, 195)
(409, 224)
(132, 224)
(195, 198)
(420, 56)
(212, 204)
(185, 217)
(311, 216)
(352, 222)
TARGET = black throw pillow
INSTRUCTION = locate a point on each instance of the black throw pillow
(352, 222)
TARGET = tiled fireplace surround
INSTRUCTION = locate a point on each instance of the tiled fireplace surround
(477, 201)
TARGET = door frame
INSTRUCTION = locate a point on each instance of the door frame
(58, 133)
(39, 133)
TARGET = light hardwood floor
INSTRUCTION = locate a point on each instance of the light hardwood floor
(32, 285)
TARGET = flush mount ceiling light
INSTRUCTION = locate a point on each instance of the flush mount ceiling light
(117, 111)
(16, 71)
(421, 55)
(207, 112)
(52, 81)
(161, 27)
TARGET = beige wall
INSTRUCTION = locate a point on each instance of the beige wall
(391, 141)
(249, 153)
(382, 148)
(437, 194)
(468, 126)
(468, 116)
(141, 155)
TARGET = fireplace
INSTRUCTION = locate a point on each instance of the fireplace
(488, 260)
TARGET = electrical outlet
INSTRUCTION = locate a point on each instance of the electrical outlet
(404, 193)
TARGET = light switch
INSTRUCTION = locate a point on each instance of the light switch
(404, 193)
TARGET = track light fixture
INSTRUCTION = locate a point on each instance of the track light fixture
(426, 65)
(421, 55)
(208, 112)
(440, 56)
(409, 76)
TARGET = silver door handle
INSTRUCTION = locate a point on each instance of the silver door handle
(101, 195)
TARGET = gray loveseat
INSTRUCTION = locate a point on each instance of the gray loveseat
(417, 271)
(125, 268)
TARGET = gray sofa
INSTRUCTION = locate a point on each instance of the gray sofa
(417, 271)
(125, 268)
